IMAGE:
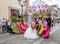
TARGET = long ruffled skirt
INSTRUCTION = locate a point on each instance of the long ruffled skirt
(46, 32)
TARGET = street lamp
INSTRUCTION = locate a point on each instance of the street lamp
(22, 9)
(22, 5)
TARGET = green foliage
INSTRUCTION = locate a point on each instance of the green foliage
(14, 17)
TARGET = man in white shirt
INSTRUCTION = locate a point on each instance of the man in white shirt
(4, 29)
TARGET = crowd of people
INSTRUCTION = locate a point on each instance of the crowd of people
(32, 27)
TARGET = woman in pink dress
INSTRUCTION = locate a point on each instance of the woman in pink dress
(18, 24)
(46, 31)
(23, 27)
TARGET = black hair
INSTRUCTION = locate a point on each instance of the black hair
(36, 22)
(40, 18)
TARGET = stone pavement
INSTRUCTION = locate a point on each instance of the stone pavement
(16, 39)
(54, 37)
(19, 39)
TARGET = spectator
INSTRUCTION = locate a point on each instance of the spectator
(4, 29)
(9, 29)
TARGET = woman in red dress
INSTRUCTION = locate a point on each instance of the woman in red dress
(23, 26)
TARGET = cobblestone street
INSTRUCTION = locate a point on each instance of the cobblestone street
(19, 39)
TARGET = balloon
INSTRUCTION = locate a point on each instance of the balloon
(39, 6)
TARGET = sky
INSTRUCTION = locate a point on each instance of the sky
(49, 2)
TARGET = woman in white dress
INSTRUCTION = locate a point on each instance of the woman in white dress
(31, 32)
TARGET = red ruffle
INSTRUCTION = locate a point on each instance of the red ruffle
(22, 28)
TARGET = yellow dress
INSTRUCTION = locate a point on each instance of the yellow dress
(41, 30)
